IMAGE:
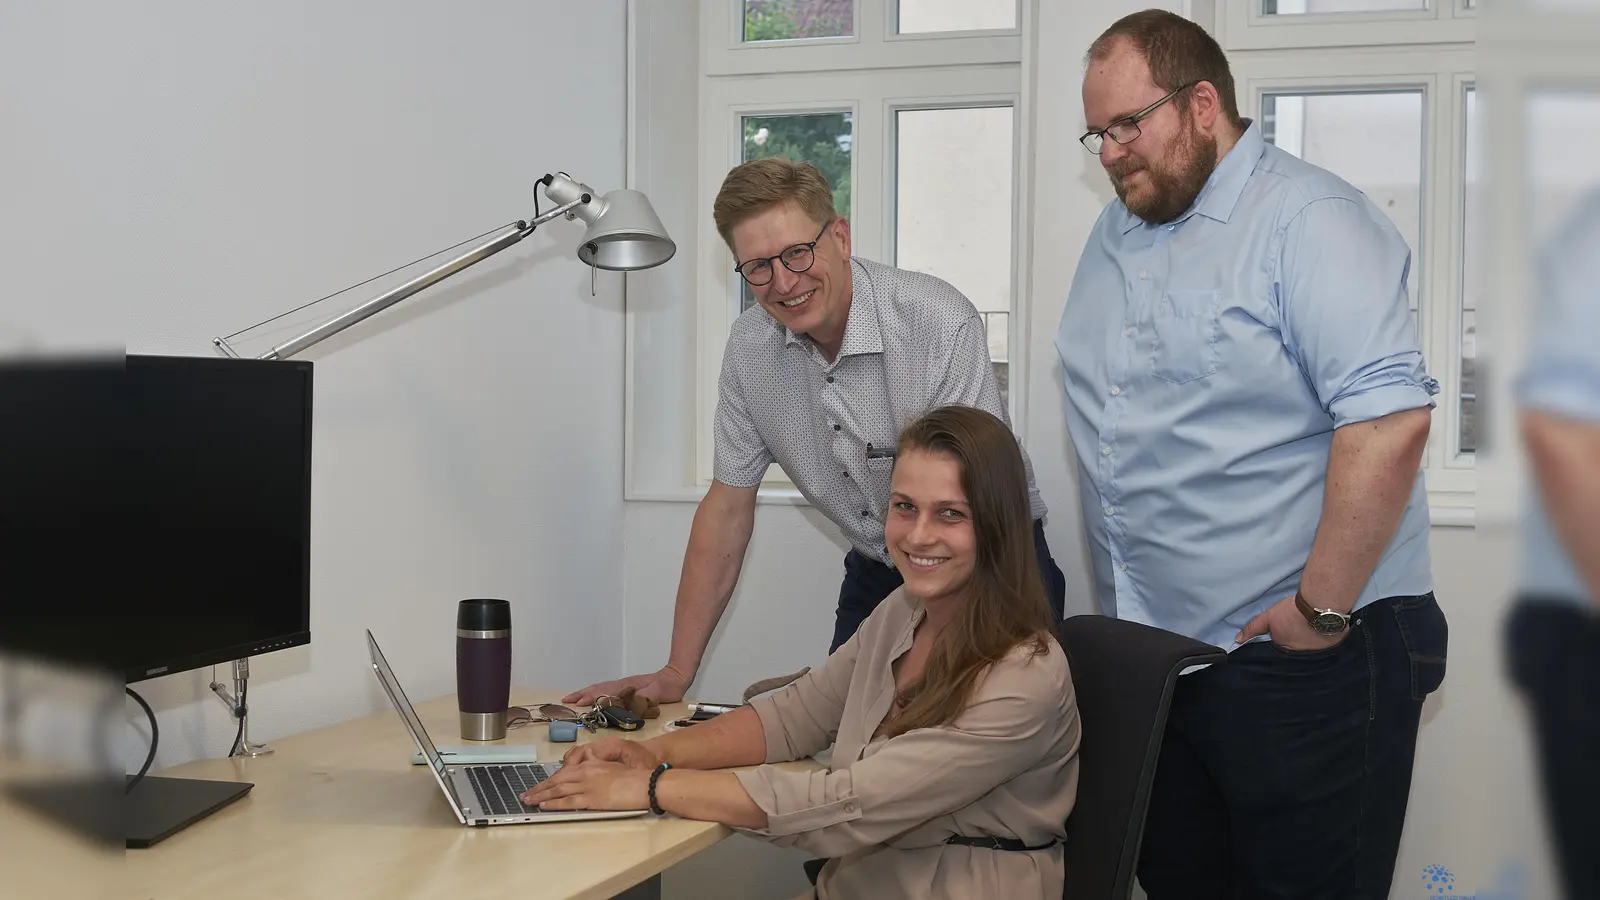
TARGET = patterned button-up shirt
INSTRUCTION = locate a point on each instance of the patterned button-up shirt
(912, 343)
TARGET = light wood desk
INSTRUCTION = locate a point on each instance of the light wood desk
(340, 812)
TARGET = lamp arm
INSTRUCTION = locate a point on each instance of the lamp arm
(509, 236)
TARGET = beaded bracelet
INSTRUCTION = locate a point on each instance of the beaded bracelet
(654, 806)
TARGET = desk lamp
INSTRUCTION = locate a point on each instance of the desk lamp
(624, 235)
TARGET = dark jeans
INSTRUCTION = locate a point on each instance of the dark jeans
(867, 582)
(1285, 774)
(1554, 655)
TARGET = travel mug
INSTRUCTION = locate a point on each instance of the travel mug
(483, 668)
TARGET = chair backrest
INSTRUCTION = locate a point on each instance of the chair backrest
(1123, 674)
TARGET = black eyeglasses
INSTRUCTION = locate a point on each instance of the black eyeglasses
(1126, 130)
(796, 259)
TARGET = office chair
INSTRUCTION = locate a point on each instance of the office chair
(1124, 674)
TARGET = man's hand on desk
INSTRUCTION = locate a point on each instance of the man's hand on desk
(666, 685)
(632, 754)
(593, 784)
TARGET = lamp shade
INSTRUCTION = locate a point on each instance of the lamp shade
(625, 235)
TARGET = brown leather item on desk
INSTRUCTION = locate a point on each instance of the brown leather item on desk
(629, 699)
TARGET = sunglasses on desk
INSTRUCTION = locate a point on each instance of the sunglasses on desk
(593, 720)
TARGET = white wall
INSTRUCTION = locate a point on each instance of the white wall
(178, 171)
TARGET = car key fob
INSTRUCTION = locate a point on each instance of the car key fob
(617, 717)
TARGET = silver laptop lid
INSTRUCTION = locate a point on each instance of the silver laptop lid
(391, 686)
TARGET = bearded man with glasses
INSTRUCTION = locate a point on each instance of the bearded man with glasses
(1248, 403)
(818, 377)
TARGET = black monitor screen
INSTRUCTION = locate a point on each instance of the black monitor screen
(168, 512)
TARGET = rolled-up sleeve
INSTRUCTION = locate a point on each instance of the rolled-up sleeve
(740, 457)
(1014, 718)
(1341, 291)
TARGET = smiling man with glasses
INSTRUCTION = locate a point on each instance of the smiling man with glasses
(818, 377)
(1248, 404)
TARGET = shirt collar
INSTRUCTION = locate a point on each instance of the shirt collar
(1226, 184)
(862, 332)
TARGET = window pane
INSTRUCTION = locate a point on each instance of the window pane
(953, 209)
(1298, 7)
(787, 20)
(822, 139)
(1372, 140)
(1470, 283)
(919, 16)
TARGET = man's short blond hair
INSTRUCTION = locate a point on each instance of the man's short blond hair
(754, 187)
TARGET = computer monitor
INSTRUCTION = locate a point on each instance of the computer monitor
(158, 510)
(220, 457)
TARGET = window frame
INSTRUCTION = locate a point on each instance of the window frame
(1242, 26)
(873, 75)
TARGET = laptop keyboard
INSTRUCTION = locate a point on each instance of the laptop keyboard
(500, 787)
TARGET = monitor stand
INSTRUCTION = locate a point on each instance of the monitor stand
(104, 810)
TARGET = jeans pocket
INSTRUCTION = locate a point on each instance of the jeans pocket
(1186, 336)
(1426, 635)
(1319, 653)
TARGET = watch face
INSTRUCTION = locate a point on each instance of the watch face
(1328, 624)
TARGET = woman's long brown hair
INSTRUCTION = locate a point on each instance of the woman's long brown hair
(1006, 604)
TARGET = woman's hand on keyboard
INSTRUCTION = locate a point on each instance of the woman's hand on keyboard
(596, 784)
(631, 754)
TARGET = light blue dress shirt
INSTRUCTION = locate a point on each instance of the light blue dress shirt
(1207, 363)
(1562, 377)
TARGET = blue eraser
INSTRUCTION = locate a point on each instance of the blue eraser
(563, 732)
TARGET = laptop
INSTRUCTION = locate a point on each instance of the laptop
(485, 793)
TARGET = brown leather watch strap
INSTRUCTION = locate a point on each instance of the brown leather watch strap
(1305, 608)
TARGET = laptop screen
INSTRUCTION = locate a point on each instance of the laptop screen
(392, 686)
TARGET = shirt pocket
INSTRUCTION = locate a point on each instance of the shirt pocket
(1186, 336)
(879, 475)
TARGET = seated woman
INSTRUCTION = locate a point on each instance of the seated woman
(951, 710)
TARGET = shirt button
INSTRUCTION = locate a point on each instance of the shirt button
(865, 513)
(1124, 567)
(849, 807)
(1111, 510)
(836, 427)
(847, 474)
(1143, 275)
(1116, 391)
(830, 379)
(1129, 332)
(1105, 451)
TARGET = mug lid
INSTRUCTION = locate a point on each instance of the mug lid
(482, 614)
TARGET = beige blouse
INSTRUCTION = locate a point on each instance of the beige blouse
(1006, 767)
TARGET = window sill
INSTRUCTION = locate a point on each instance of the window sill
(768, 495)
(1447, 514)
(1451, 516)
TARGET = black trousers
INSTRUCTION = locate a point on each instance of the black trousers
(1554, 653)
(1285, 774)
(867, 582)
